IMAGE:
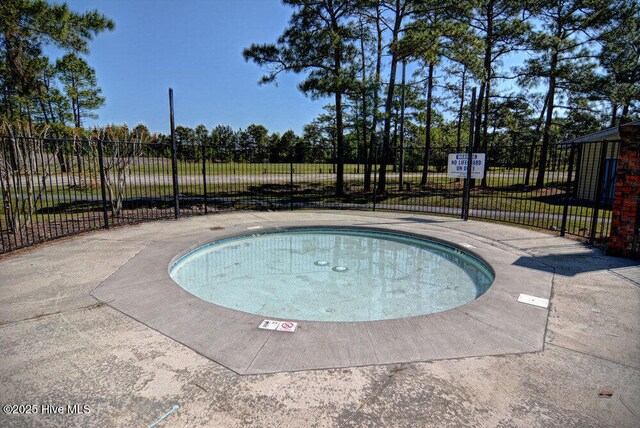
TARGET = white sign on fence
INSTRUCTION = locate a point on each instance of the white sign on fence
(457, 165)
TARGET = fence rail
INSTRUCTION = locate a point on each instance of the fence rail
(57, 187)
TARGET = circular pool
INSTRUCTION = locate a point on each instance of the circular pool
(342, 275)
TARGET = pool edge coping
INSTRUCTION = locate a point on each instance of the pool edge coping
(493, 324)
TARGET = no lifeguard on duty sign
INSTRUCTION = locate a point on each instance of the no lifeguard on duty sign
(457, 165)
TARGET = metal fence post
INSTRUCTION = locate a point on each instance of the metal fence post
(402, 107)
(291, 178)
(565, 211)
(174, 158)
(103, 187)
(596, 208)
(375, 174)
(6, 205)
(466, 193)
(204, 175)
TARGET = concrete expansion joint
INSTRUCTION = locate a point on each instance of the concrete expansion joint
(128, 241)
(146, 245)
(599, 357)
(624, 278)
(496, 244)
(262, 218)
(534, 348)
(257, 353)
(551, 296)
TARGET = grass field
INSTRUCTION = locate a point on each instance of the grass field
(73, 203)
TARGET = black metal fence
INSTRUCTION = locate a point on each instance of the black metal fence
(58, 187)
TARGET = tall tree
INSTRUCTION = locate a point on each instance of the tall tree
(224, 141)
(371, 47)
(463, 52)
(365, 89)
(426, 40)
(320, 41)
(80, 84)
(25, 27)
(253, 144)
(619, 57)
(562, 39)
(500, 26)
(282, 151)
(394, 13)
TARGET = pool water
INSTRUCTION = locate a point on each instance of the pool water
(332, 275)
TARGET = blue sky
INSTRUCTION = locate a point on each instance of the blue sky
(195, 47)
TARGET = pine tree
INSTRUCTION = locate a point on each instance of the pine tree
(25, 27)
(79, 81)
(562, 41)
(619, 57)
(320, 41)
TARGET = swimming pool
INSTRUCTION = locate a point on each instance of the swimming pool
(340, 275)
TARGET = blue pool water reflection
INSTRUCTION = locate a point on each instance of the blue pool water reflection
(332, 275)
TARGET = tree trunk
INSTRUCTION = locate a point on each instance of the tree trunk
(427, 135)
(340, 146)
(394, 159)
(614, 113)
(364, 153)
(485, 129)
(337, 69)
(533, 145)
(478, 119)
(460, 112)
(388, 107)
(546, 136)
(75, 103)
(625, 112)
(386, 136)
(356, 123)
(374, 108)
(44, 110)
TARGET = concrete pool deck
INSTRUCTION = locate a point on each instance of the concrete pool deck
(60, 346)
(495, 323)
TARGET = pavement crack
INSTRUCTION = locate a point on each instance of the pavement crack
(627, 407)
(48, 314)
(201, 387)
(376, 393)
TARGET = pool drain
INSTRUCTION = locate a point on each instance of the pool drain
(321, 263)
(340, 269)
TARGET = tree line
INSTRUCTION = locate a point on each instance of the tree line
(399, 74)
(579, 70)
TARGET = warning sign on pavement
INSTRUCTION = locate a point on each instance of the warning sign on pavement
(287, 326)
(269, 325)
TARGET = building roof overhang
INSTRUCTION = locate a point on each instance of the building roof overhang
(617, 133)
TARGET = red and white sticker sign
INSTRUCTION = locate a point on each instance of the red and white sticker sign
(287, 326)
